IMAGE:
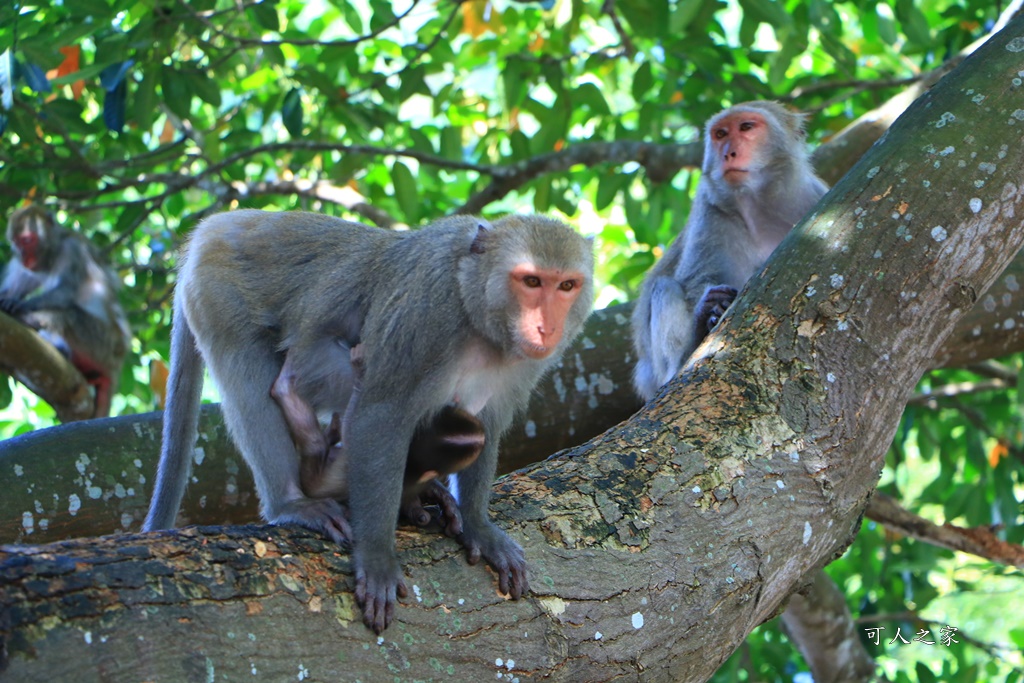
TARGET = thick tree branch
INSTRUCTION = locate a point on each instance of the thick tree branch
(818, 621)
(38, 364)
(980, 541)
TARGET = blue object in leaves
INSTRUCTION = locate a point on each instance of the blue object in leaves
(114, 107)
(112, 78)
(36, 78)
(113, 75)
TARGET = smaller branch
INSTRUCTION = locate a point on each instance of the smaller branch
(980, 541)
(276, 148)
(376, 82)
(856, 85)
(994, 370)
(819, 623)
(320, 190)
(38, 365)
(959, 389)
(259, 42)
(661, 161)
(609, 8)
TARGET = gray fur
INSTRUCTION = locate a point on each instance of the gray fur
(425, 306)
(730, 233)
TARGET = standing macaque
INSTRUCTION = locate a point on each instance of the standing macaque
(56, 284)
(756, 184)
(461, 312)
(448, 444)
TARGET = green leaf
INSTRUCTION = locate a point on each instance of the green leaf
(406, 192)
(648, 18)
(768, 11)
(521, 146)
(42, 52)
(176, 94)
(913, 21)
(202, 85)
(291, 112)
(683, 14)
(565, 200)
(608, 186)
(128, 217)
(542, 195)
(451, 142)
(144, 102)
(514, 83)
(266, 15)
(98, 10)
(924, 674)
(886, 28)
(643, 79)
(420, 141)
(6, 393)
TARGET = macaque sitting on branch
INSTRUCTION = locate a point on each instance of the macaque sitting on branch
(57, 285)
(461, 313)
(756, 184)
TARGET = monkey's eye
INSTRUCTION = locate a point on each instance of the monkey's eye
(531, 281)
(747, 125)
(567, 286)
(720, 133)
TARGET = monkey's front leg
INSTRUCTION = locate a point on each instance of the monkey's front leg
(377, 442)
(481, 537)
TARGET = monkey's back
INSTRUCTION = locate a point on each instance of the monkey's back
(243, 264)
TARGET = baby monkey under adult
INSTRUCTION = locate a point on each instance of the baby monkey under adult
(461, 312)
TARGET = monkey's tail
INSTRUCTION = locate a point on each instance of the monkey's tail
(180, 424)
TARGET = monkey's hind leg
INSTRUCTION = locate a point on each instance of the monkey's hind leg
(242, 372)
(298, 413)
(671, 332)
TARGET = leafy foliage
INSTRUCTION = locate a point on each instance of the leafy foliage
(135, 122)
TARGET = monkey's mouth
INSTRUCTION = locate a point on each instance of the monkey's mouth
(535, 351)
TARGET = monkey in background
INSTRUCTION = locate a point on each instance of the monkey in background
(461, 312)
(756, 184)
(57, 285)
(445, 446)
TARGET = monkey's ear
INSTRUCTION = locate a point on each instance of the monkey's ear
(483, 229)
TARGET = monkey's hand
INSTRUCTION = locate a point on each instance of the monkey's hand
(711, 308)
(503, 554)
(438, 494)
(319, 514)
(379, 584)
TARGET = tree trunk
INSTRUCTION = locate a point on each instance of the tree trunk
(655, 548)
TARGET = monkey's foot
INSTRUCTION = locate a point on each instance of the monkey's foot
(379, 584)
(712, 307)
(437, 494)
(503, 554)
(319, 514)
